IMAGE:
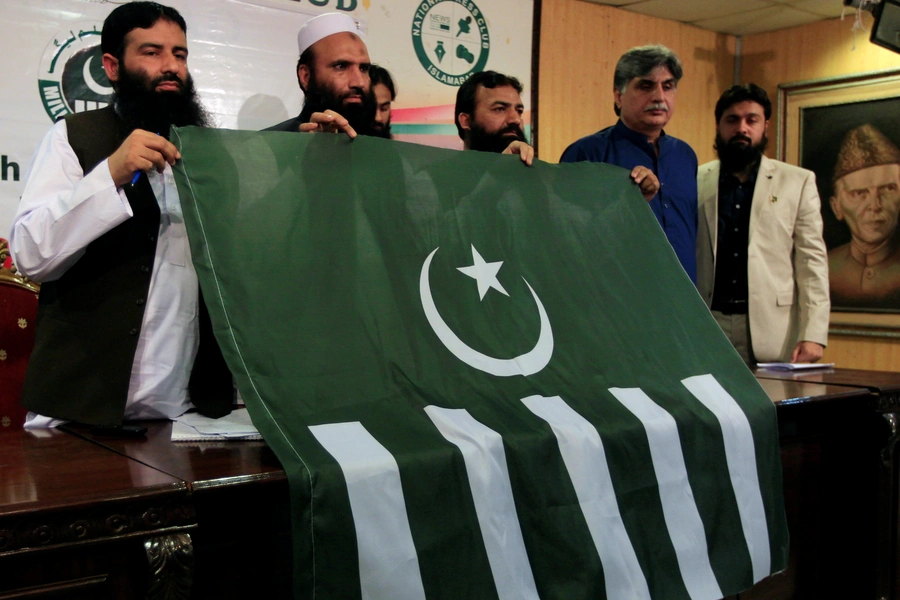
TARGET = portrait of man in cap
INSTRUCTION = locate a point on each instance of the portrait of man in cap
(854, 150)
(866, 271)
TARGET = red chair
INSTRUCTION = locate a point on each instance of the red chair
(18, 313)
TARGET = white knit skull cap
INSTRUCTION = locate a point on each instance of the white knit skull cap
(324, 25)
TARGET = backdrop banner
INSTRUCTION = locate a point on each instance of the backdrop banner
(243, 57)
(484, 380)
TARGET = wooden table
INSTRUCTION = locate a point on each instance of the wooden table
(873, 435)
(232, 499)
(886, 382)
(239, 494)
(78, 521)
(828, 457)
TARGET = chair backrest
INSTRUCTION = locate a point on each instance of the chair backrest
(18, 313)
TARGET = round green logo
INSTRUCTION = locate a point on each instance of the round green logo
(451, 39)
(72, 78)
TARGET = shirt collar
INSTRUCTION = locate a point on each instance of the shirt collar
(874, 257)
(732, 181)
(636, 137)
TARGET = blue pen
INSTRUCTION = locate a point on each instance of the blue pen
(137, 175)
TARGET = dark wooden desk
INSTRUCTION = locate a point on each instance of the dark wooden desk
(791, 392)
(75, 518)
(880, 381)
(239, 493)
(884, 383)
(829, 473)
(881, 443)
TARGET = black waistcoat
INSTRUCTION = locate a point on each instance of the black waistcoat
(89, 320)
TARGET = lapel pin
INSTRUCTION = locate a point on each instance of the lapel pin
(774, 199)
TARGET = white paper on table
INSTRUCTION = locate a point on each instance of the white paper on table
(794, 366)
(235, 426)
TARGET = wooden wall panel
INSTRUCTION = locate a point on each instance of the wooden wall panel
(580, 44)
(852, 352)
(823, 49)
(818, 50)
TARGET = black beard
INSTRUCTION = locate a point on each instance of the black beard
(479, 139)
(319, 98)
(141, 107)
(382, 132)
(737, 157)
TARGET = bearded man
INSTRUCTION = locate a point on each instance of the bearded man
(488, 115)
(761, 261)
(100, 226)
(385, 92)
(333, 73)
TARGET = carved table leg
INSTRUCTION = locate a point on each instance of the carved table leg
(886, 545)
(171, 562)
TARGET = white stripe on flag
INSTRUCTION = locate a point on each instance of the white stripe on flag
(740, 453)
(584, 457)
(679, 508)
(485, 458)
(388, 565)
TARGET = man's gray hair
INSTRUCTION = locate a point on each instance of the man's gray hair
(640, 62)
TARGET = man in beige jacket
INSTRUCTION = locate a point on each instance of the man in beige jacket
(762, 267)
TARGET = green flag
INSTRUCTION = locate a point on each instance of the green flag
(484, 380)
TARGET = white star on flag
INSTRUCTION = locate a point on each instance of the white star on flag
(484, 273)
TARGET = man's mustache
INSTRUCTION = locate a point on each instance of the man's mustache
(354, 91)
(657, 106)
(739, 137)
(512, 128)
(165, 78)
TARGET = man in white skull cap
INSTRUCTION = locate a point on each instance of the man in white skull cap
(333, 72)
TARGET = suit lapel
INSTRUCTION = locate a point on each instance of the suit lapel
(709, 194)
(761, 192)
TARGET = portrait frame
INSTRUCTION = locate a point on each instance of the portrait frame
(813, 117)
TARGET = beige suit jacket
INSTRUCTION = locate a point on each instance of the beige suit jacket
(787, 264)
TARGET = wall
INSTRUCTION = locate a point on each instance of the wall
(814, 51)
(823, 49)
(580, 44)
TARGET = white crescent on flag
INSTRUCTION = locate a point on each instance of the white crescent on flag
(524, 364)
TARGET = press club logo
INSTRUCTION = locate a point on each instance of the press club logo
(451, 39)
(71, 77)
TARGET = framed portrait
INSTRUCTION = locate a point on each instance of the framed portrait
(847, 131)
